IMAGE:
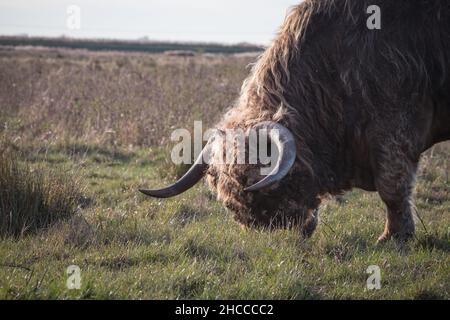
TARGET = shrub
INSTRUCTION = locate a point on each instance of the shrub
(33, 199)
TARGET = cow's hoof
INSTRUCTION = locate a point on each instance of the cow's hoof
(399, 237)
(311, 224)
(383, 238)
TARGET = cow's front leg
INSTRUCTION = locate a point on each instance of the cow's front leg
(399, 222)
(395, 183)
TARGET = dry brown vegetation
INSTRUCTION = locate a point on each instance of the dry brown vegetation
(114, 99)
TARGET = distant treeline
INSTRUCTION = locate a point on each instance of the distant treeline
(122, 45)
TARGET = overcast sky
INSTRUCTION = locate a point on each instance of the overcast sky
(228, 21)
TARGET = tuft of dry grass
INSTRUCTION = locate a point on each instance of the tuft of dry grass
(32, 198)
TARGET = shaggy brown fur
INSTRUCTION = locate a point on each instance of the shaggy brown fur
(363, 105)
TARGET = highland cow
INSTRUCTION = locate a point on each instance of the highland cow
(355, 108)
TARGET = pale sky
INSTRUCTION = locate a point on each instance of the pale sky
(226, 21)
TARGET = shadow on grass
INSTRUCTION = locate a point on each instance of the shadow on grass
(346, 248)
(209, 251)
(303, 292)
(351, 245)
(186, 215)
(428, 295)
(434, 242)
(118, 263)
(188, 288)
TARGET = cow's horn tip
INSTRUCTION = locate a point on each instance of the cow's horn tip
(147, 192)
(251, 188)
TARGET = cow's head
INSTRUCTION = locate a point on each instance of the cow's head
(277, 199)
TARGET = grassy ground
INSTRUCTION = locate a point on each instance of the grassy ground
(104, 117)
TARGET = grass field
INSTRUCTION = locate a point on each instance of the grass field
(103, 120)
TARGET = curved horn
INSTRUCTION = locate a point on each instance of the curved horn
(190, 178)
(285, 142)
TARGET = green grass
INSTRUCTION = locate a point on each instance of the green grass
(130, 246)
